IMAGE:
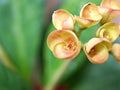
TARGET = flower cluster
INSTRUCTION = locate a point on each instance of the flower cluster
(64, 41)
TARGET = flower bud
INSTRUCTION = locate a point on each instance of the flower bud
(114, 4)
(109, 9)
(97, 49)
(84, 23)
(89, 16)
(62, 19)
(108, 14)
(64, 44)
(115, 51)
(109, 31)
(90, 11)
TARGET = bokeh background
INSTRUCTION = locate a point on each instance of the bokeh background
(26, 63)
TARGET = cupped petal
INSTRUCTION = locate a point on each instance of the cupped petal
(85, 23)
(104, 12)
(89, 16)
(97, 50)
(113, 14)
(62, 19)
(114, 4)
(115, 51)
(108, 14)
(109, 31)
(64, 44)
(90, 11)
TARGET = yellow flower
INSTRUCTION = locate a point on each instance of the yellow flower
(109, 31)
(96, 49)
(64, 44)
(89, 16)
(114, 4)
(116, 51)
(62, 19)
(109, 9)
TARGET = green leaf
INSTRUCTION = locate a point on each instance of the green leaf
(9, 80)
(97, 77)
(21, 23)
(52, 65)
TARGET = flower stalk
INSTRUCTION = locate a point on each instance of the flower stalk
(58, 74)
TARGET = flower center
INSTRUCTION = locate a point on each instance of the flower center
(107, 35)
(70, 46)
(92, 52)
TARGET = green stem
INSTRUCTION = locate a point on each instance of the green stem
(78, 33)
(52, 84)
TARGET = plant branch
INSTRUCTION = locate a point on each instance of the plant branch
(52, 84)
(78, 33)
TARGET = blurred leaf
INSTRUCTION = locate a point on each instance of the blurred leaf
(10, 80)
(98, 77)
(21, 23)
(52, 65)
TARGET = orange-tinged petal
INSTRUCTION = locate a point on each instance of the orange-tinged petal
(113, 15)
(98, 55)
(104, 12)
(116, 51)
(62, 19)
(90, 11)
(94, 41)
(109, 9)
(64, 44)
(109, 31)
(97, 50)
(89, 16)
(114, 4)
(108, 14)
(85, 23)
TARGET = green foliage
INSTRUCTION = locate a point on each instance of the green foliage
(97, 77)
(9, 80)
(20, 28)
(21, 24)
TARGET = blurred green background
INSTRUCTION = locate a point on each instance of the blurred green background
(26, 63)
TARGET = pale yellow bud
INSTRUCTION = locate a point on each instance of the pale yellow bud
(109, 9)
(114, 4)
(116, 51)
(97, 49)
(64, 44)
(90, 11)
(108, 14)
(109, 31)
(62, 19)
(89, 16)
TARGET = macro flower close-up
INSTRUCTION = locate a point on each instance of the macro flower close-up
(62, 19)
(97, 50)
(59, 44)
(109, 30)
(64, 44)
(89, 16)
(109, 9)
(94, 34)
